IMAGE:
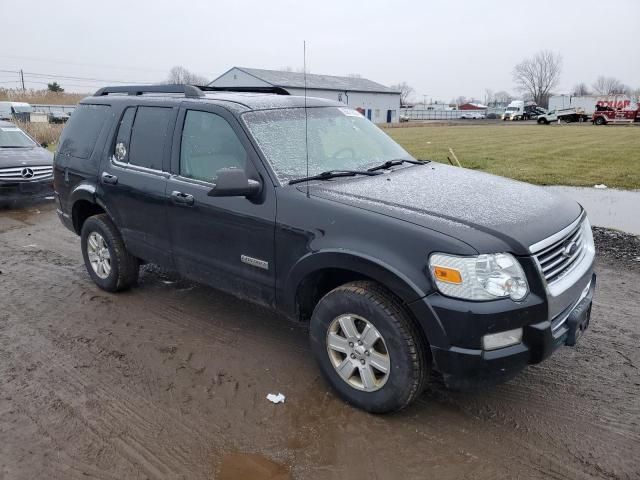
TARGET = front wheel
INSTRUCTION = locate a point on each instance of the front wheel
(368, 348)
(600, 121)
(109, 264)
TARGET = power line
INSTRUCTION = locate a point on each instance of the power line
(51, 60)
(68, 77)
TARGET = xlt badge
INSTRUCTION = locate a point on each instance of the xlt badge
(254, 262)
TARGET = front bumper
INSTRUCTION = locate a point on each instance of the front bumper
(10, 191)
(465, 368)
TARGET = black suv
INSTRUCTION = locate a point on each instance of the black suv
(303, 205)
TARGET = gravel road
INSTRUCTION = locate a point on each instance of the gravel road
(169, 381)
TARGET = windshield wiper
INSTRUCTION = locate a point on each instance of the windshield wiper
(333, 174)
(392, 163)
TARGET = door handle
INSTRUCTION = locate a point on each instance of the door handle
(180, 198)
(108, 178)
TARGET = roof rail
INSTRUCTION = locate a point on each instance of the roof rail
(186, 90)
(274, 90)
(190, 91)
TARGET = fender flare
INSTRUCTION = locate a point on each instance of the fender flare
(86, 191)
(356, 262)
(398, 283)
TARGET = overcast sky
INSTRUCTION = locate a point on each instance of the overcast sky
(442, 48)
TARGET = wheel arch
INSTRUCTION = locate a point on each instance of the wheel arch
(85, 204)
(318, 273)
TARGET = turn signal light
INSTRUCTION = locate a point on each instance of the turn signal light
(449, 275)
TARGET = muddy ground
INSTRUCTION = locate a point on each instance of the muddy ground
(169, 381)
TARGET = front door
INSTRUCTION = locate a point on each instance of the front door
(226, 242)
(133, 180)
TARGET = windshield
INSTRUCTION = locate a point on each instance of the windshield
(22, 108)
(338, 139)
(511, 109)
(14, 137)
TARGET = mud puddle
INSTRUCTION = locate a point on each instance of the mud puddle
(609, 208)
(251, 466)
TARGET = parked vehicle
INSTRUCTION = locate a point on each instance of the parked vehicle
(20, 111)
(26, 168)
(605, 115)
(57, 116)
(520, 110)
(474, 115)
(395, 278)
(563, 114)
(588, 103)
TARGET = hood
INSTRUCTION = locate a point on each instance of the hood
(18, 157)
(488, 212)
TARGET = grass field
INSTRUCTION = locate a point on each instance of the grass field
(580, 155)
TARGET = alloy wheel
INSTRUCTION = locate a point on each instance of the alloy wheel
(358, 353)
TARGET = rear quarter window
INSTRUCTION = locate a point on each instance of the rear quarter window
(79, 136)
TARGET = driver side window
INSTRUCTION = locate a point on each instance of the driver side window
(209, 144)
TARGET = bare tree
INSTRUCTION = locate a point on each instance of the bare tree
(179, 75)
(609, 86)
(488, 96)
(580, 89)
(538, 75)
(405, 92)
(502, 97)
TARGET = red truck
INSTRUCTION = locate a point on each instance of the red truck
(605, 114)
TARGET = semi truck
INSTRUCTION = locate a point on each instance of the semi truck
(588, 103)
(521, 110)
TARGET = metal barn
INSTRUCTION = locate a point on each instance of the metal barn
(378, 103)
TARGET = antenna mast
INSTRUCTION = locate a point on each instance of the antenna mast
(306, 120)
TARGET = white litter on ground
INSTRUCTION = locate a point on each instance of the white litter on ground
(279, 398)
(600, 185)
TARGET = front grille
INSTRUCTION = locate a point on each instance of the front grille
(25, 174)
(557, 259)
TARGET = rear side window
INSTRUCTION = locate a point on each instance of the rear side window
(79, 136)
(150, 130)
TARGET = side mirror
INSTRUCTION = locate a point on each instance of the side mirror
(44, 144)
(233, 182)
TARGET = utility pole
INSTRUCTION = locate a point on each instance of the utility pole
(22, 79)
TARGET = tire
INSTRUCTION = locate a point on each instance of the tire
(123, 267)
(542, 121)
(600, 121)
(400, 345)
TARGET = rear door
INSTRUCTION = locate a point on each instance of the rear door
(226, 242)
(134, 179)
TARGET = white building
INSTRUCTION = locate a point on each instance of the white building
(378, 103)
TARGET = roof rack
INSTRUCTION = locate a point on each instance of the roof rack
(190, 91)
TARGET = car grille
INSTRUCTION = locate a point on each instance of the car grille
(556, 259)
(25, 174)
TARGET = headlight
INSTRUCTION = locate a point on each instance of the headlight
(483, 277)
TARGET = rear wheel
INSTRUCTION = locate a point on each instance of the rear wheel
(368, 347)
(600, 121)
(109, 264)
